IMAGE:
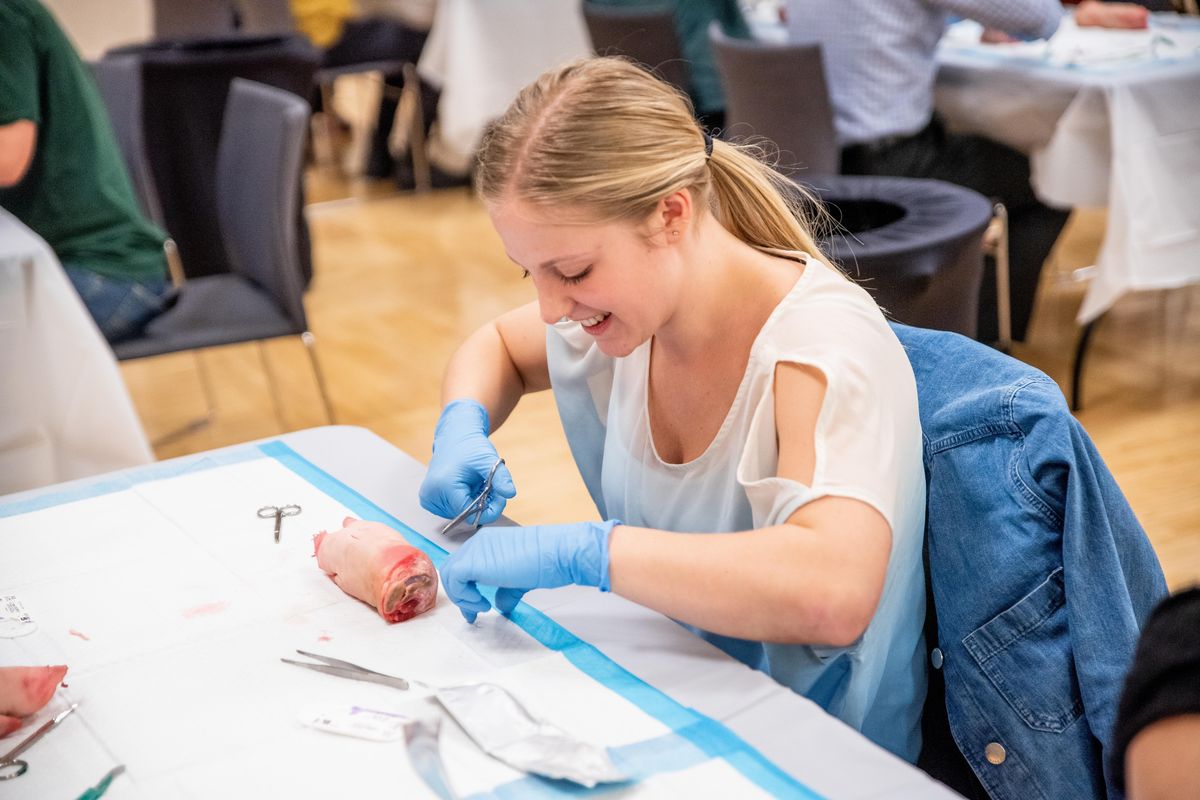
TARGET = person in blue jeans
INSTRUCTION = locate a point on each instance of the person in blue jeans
(743, 416)
(61, 174)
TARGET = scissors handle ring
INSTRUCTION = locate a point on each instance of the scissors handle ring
(268, 511)
(289, 511)
(6, 771)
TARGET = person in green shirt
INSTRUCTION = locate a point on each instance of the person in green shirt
(62, 175)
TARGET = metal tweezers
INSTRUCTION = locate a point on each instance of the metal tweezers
(344, 669)
(477, 505)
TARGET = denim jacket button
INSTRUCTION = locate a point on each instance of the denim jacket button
(936, 658)
(995, 753)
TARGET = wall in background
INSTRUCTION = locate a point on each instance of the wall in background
(96, 25)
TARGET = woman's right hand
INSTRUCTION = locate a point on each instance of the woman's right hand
(462, 458)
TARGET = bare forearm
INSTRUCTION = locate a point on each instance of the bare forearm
(482, 370)
(786, 583)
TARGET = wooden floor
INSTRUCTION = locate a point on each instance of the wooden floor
(401, 279)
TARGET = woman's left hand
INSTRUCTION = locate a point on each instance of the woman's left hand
(515, 560)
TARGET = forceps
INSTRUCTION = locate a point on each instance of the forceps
(344, 669)
(278, 512)
(477, 505)
(10, 765)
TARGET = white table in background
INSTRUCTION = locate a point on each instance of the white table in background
(64, 410)
(480, 53)
(816, 749)
(1109, 119)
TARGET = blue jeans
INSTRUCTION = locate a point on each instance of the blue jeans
(121, 307)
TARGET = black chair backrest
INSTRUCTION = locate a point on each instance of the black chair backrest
(914, 244)
(184, 18)
(645, 34)
(119, 80)
(778, 91)
(259, 161)
(185, 84)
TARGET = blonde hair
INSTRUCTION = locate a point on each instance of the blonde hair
(607, 138)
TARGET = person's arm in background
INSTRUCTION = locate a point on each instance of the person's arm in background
(1020, 19)
(1097, 14)
(18, 141)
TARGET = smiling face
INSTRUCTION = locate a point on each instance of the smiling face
(620, 280)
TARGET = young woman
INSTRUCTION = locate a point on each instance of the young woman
(713, 376)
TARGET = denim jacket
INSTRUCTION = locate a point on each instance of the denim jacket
(1041, 575)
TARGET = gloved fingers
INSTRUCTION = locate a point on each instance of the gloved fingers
(507, 599)
(493, 510)
(447, 500)
(460, 586)
(470, 609)
(502, 483)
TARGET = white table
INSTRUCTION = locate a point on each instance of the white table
(796, 735)
(64, 409)
(480, 53)
(1109, 119)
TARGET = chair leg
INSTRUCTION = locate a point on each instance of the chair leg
(1003, 298)
(210, 407)
(310, 344)
(330, 126)
(422, 178)
(271, 385)
(1077, 365)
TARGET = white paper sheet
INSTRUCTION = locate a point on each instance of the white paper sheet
(172, 606)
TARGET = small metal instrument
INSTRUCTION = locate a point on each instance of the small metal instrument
(477, 505)
(278, 512)
(10, 765)
(344, 669)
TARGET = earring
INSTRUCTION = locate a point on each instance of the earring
(674, 233)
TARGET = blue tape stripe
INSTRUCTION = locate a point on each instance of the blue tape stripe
(86, 489)
(704, 734)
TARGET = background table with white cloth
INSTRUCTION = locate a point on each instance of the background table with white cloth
(480, 53)
(1110, 118)
(64, 410)
(171, 603)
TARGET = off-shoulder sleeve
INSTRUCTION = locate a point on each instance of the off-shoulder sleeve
(867, 429)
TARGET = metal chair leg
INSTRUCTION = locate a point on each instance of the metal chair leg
(271, 385)
(1077, 365)
(310, 344)
(422, 177)
(210, 408)
(1003, 298)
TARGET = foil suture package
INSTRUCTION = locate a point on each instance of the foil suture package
(505, 730)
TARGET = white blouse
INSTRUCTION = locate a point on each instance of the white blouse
(868, 447)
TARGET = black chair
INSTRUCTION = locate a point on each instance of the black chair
(184, 88)
(258, 173)
(120, 83)
(915, 244)
(778, 91)
(645, 34)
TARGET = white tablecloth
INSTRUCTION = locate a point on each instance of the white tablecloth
(248, 601)
(64, 410)
(1109, 118)
(481, 53)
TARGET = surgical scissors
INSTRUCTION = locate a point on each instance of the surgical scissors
(477, 505)
(9, 760)
(344, 669)
(278, 512)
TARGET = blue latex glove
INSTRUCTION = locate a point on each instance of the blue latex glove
(516, 560)
(462, 458)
